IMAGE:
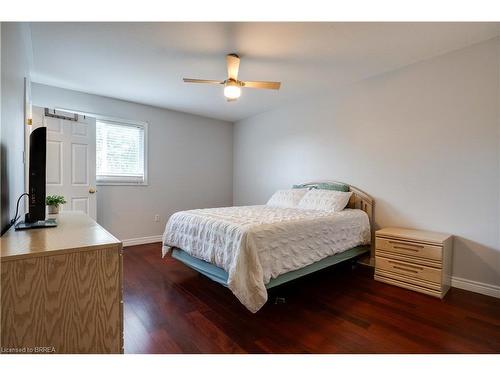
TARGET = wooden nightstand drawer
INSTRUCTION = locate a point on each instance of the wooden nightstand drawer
(408, 283)
(414, 249)
(408, 269)
(436, 287)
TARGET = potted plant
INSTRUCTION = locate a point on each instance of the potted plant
(53, 201)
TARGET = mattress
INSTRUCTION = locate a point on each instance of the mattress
(255, 244)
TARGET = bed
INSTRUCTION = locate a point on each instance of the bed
(250, 249)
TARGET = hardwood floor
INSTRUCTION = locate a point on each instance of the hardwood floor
(170, 308)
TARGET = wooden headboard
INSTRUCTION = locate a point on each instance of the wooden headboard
(360, 200)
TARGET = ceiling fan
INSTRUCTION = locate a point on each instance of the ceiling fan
(232, 86)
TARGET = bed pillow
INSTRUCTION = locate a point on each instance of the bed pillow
(324, 186)
(286, 198)
(325, 200)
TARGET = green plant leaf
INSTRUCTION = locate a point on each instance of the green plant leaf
(54, 200)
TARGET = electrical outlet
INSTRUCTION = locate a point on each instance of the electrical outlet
(157, 218)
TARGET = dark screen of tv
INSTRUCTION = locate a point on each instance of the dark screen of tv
(35, 218)
(37, 173)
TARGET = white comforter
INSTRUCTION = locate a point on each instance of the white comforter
(254, 244)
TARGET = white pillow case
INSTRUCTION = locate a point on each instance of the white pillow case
(286, 198)
(325, 200)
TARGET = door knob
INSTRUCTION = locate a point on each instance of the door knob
(92, 190)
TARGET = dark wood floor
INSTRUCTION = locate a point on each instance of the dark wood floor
(170, 308)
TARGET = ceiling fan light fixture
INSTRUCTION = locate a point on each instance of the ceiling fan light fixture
(232, 86)
(232, 90)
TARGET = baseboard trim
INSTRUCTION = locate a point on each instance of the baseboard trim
(141, 240)
(476, 286)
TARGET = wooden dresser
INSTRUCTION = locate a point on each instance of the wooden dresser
(414, 259)
(61, 289)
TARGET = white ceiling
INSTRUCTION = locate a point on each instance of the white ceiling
(145, 62)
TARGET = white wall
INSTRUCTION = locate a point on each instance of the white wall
(15, 65)
(422, 140)
(190, 163)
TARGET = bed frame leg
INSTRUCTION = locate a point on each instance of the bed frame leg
(279, 300)
(354, 264)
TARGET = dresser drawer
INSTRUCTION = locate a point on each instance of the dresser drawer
(409, 280)
(413, 249)
(408, 269)
(409, 285)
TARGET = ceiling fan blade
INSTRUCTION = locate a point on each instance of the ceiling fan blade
(210, 81)
(262, 85)
(230, 100)
(233, 65)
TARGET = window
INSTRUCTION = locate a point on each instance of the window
(120, 153)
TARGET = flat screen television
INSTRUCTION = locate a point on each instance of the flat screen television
(35, 217)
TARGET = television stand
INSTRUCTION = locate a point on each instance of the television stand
(62, 288)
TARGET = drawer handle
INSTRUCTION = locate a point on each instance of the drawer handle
(406, 265)
(405, 248)
(404, 269)
(406, 244)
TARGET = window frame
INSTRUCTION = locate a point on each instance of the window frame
(126, 180)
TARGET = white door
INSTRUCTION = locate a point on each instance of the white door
(71, 164)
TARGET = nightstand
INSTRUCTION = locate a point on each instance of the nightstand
(414, 259)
